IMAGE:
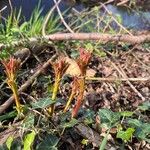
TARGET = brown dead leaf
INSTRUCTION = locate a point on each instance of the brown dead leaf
(74, 69)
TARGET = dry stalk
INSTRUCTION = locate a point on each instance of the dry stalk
(117, 79)
(136, 39)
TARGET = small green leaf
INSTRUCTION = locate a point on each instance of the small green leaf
(134, 123)
(42, 103)
(89, 46)
(8, 115)
(108, 118)
(71, 123)
(126, 113)
(28, 140)
(100, 53)
(49, 143)
(126, 135)
(84, 142)
(9, 142)
(144, 106)
(89, 116)
(142, 130)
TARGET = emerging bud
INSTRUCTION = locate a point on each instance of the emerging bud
(83, 61)
(60, 67)
(11, 68)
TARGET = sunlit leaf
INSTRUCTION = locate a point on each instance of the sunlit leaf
(126, 135)
(126, 113)
(84, 142)
(100, 53)
(28, 140)
(9, 142)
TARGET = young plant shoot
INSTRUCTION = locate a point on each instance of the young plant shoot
(60, 67)
(11, 67)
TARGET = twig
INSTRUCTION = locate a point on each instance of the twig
(62, 19)
(116, 20)
(6, 104)
(47, 18)
(122, 2)
(117, 79)
(3, 9)
(11, 8)
(136, 39)
(123, 74)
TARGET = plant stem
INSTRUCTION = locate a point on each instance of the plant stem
(55, 91)
(16, 96)
(79, 98)
(69, 101)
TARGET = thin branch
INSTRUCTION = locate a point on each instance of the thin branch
(47, 18)
(1, 10)
(135, 39)
(62, 19)
(116, 19)
(117, 79)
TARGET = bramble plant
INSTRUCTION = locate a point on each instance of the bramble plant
(11, 67)
(60, 67)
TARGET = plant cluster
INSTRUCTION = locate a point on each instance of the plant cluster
(16, 27)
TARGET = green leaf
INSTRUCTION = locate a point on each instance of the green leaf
(71, 123)
(142, 130)
(8, 115)
(28, 122)
(89, 46)
(49, 143)
(89, 116)
(42, 103)
(144, 106)
(108, 118)
(28, 140)
(134, 122)
(84, 142)
(100, 53)
(9, 142)
(126, 135)
(126, 113)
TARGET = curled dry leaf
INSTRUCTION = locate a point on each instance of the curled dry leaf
(74, 69)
